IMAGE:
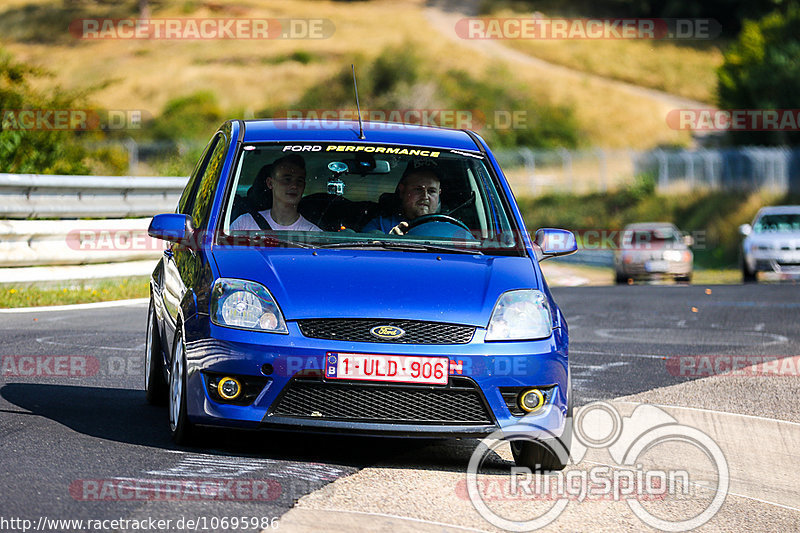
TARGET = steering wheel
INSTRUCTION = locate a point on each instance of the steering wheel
(436, 217)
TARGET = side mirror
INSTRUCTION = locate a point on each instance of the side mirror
(688, 240)
(555, 242)
(745, 229)
(173, 227)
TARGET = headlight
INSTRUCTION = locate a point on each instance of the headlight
(245, 304)
(520, 315)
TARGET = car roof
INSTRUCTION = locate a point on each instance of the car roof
(277, 130)
(650, 225)
(779, 209)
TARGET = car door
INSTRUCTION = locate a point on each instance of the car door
(183, 262)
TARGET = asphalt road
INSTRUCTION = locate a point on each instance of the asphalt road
(71, 444)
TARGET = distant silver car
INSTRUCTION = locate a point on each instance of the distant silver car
(651, 250)
(772, 243)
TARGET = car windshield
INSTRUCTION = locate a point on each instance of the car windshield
(782, 222)
(655, 237)
(354, 195)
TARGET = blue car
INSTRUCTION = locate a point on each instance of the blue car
(325, 278)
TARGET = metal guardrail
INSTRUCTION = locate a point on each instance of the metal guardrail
(75, 242)
(29, 196)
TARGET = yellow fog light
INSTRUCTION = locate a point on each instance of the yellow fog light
(229, 388)
(531, 400)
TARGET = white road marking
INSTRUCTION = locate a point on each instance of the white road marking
(215, 466)
(679, 336)
(600, 368)
(714, 411)
(75, 307)
(47, 340)
(616, 354)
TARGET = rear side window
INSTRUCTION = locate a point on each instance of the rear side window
(186, 203)
(204, 196)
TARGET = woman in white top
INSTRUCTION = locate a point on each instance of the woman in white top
(287, 181)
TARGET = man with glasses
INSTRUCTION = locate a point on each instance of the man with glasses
(418, 191)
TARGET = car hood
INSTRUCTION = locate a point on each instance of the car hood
(455, 288)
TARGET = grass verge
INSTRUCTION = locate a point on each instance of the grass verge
(84, 292)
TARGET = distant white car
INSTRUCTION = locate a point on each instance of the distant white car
(772, 243)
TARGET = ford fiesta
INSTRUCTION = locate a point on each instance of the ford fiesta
(377, 281)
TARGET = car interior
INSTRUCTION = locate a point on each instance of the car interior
(349, 199)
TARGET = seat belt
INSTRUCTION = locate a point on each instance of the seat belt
(260, 220)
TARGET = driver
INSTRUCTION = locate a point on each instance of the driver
(419, 191)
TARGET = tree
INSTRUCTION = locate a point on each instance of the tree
(27, 150)
(761, 71)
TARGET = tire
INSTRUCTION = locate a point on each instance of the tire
(155, 385)
(546, 454)
(182, 430)
(620, 278)
(684, 279)
(747, 275)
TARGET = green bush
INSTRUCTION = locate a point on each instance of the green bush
(196, 116)
(34, 151)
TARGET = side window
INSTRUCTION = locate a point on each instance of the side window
(186, 203)
(209, 179)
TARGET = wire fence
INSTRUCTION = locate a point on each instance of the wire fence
(749, 168)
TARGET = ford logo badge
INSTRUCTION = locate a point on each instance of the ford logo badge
(387, 332)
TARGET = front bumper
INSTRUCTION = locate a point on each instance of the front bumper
(211, 349)
(782, 262)
(646, 270)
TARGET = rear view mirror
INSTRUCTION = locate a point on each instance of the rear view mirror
(173, 227)
(745, 229)
(555, 242)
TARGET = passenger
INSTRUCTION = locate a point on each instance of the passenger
(287, 181)
(418, 191)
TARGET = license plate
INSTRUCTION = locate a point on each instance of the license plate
(656, 266)
(388, 368)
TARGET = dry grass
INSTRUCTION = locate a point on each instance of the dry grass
(677, 69)
(249, 75)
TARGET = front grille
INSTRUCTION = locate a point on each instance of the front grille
(358, 330)
(459, 403)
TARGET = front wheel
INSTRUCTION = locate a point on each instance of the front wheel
(180, 427)
(546, 454)
(155, 386)
(748, 276)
